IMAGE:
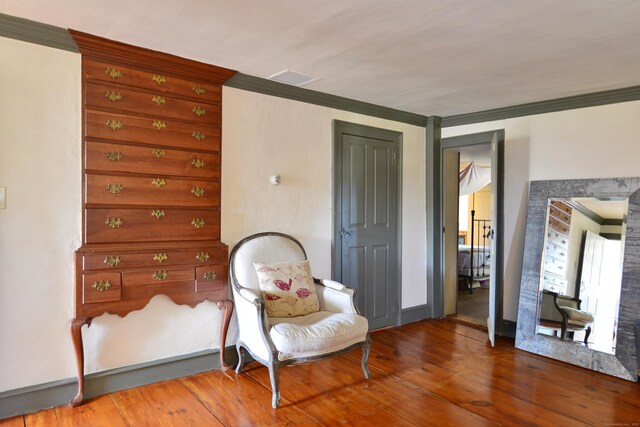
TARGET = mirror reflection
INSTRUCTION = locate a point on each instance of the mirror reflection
(582, 271)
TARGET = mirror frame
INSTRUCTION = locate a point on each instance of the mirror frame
(624, 363)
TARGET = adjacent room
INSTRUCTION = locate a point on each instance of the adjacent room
(319, 213)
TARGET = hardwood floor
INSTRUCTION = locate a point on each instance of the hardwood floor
(434, 372)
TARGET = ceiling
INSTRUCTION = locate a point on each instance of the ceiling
(430, 57)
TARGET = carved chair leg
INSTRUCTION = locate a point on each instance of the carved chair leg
(76, 336)
(586, 335)
(366, 349)
(274, 376)
(227, 306)
(240, 358)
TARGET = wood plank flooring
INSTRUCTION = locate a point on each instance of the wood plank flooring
(429, 373)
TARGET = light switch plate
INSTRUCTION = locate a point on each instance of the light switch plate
(3, 197)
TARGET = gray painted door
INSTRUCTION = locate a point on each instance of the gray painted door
(367, 228)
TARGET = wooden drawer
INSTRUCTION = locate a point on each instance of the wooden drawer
(556, 251)
(562, 206)
(555, 265)
(140, 225)
(155, 132)
(210, 277)
(101, 287)
(154, 104)
(557, 225)
(106, 157)
(157, 81)
(127, 190)
(557, 239)
(158, 275)
(157, 258)
(559, 214)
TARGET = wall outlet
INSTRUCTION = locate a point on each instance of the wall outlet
(3, 197)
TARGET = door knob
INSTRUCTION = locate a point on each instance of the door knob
(343, 233)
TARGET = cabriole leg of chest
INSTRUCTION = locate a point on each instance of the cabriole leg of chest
(76, 336)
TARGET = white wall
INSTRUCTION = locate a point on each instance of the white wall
(40, 164)
(40, 228)
(596, 142)
(265, 135)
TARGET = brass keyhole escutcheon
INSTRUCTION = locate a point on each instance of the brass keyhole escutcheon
(102, 285)
(157, 213)
(160, 258)
(115, 188)
(199, 136)
(114, 222)
(160, 274)
(202, 256)
(198, 223)
(114, 124)
(112, 261)
(209, 275)
(114, 156)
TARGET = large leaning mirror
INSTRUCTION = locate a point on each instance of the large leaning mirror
(580, 288)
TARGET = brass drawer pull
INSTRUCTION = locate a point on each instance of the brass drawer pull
(159, 100)
(199, 136)
(198, 223)
(159, 124)
(202, 256)
(113, 73)
(114, 222)
(197, 191)
(198, 90)
(114, 156)
(112, 261)
(158, 182)
(115, 188)
(199, 111)
(115, 124)
(101, 285)
(160, 274)
(198, 163)
(159, 79)
(158, 213)
(113, 96)
(160, 257)
(158, 152)
(209, 275)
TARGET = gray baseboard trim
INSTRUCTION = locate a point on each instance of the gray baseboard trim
(549, 106)
(281, 90)
(34, 398)
(413, 314)
(36, 32)
(509, 328)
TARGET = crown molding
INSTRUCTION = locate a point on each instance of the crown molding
(35, 32)
(549, 106)
(281, 90)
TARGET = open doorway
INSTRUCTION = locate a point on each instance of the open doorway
(472, 218)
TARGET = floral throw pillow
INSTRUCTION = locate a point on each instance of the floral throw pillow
(287, 288)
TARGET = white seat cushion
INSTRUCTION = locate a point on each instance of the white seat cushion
(317, 333)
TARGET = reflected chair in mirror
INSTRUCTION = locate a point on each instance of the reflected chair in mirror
(561, 312)
(335, 328)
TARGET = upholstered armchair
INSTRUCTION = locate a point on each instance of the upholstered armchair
(329, 326)
(563, 312)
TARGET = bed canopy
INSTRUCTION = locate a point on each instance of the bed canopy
(473, 178)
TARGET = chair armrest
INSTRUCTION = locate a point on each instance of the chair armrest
(335, 297)
(253, 324)
(332, 284)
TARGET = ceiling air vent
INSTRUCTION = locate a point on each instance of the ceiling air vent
(292, 78)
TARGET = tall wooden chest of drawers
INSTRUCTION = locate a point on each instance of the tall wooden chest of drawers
(151, 184)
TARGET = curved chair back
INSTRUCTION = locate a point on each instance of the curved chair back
(270, 247)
